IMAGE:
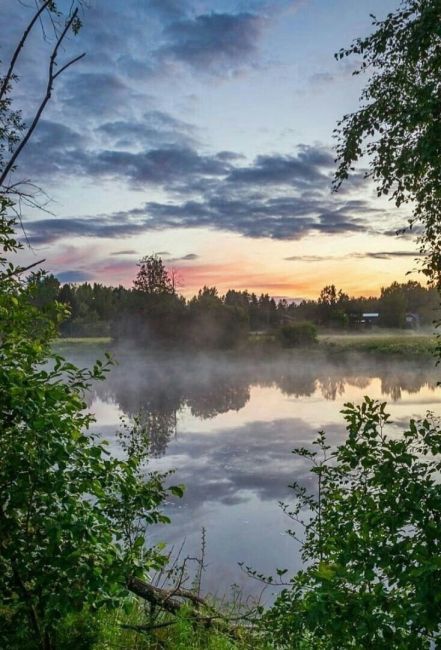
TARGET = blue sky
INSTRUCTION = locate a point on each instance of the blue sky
(202, 131)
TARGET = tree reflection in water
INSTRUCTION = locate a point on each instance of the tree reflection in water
(154, 389)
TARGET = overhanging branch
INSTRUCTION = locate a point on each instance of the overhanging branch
(7, 79)
(52, 75)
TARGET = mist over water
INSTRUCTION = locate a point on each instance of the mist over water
(227, 426)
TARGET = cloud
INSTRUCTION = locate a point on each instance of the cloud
(275, 196)
(52, 229)
(321, 78)
(387, 255)
(341, 71)
(98, 93)
(190, 256)
(54, 151)
(286, 218)
(168, 9)
(301, 170)
(66, 155)
(160, 150)
(57, 135)
(229, 156)
(157, 166)
(164, 36)
(280, 197)
(185, 258)
(406, 232)
(289, 217)
(74, 276)
(215, 42)
(181, 165)
(380, 255)
(153, 129)
(309, 258)
(126, 252)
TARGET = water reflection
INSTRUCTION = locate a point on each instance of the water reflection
(157, 389)
(227, 427)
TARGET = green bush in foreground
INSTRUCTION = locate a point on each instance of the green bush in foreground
(72, 518)
(372, 545)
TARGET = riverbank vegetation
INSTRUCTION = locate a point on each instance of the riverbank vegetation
(405, 345)
(370, 539)
(413, 346)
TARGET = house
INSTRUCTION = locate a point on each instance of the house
(412, 321)
(368, 319)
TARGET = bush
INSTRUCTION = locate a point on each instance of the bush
(372, 541)
(72, 517)
(297, 335)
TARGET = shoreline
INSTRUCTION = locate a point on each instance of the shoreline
(405, 345)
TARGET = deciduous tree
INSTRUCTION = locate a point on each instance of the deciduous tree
(153, 277)
(398, 123)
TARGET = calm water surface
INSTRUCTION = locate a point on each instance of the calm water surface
(227, 427)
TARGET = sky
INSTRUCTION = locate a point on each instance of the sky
(202, 131)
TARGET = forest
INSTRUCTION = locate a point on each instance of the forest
(152, 311)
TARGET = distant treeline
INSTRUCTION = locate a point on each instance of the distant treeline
(152, 311)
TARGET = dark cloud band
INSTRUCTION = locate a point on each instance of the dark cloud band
(280, 197)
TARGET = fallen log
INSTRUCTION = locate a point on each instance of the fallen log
(154, 595)
(171, 601)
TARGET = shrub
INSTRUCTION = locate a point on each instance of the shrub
(72, 517)
(372, 541)
(297, 335)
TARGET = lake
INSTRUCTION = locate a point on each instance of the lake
(227, 426)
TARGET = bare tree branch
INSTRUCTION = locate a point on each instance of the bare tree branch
(22, 269)
(67, 65)
(147, 628)
(26, 193)
(52, 75)
(10, 72)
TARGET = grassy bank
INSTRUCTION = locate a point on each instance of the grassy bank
(131, 627)
(405, 345)
(84, 340)
(397, 344)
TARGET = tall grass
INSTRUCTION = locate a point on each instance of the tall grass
(184, 633)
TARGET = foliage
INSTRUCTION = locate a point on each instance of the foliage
(331, 306)
(72, 517)
(298, 334)
(214, 324)
(372, 539)
(11, 123)
(152, 277)
(393, 303)
(398, 124)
